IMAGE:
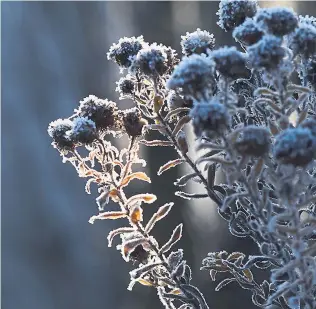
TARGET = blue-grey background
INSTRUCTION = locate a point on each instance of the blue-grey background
(53, 55)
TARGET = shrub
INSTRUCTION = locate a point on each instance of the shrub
(259, 128)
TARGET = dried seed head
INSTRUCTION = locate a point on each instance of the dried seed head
(102, 112)
(153, 61)
(84, 130)
(253, 141)
(303, 41)
(125, 50)
(210, 118)
(277, 21)
(59, 130)
(132, 122)
(230, 62)
(233, 13)
(194, 75)
(174, 100)
(267, 53)
(197, 42)
(296, 146)
(126, 87)
(248, 33)
(309, 123)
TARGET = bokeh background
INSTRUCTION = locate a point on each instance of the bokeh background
(54, 54)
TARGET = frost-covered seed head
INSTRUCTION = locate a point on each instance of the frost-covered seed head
(233, 13)
(126, 87)
(125, 50)
(59, 130)
(253, 141)
(277, 21)
(102, 112)
(132, 122)
(197, 42)
(303, 41)
(309, 123)
(309, 20)
(210, 118)
(248, 33)
(295, 146)
(151, 61)
(194, 75)
(230, 62)
(84, 130)
(267, 53)
(174, 100)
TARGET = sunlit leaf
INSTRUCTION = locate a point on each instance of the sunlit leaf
(128, 247)
(146, 198)
(136, 214)
(155, 143)
(184, 120)
(248, 274)
(137, 175)
(112, 215)
(176, 112)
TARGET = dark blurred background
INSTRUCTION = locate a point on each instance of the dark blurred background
(53, 55)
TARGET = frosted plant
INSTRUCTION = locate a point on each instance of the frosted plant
(253, 123)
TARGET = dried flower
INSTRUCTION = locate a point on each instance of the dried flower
(132, 121)
(233, 13)
(152, 61)
(248, 33)
(230, 62)
(296, 146)
(277, 21)
(194, 75)
(303, 41)
(253, 141)
(267, 53)
(126, 87)
(59, 130)
(210, 118)
(84, 130)
(197, 42)
(102, 112)
(125, 50)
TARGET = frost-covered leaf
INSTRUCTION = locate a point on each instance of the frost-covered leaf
(128, 247)
(137, 175)
(176, 112)
(160, 214)
(175, 237)
(175, 258)
(145, 197)
(196, 294)
(184, 120)
(169, 165)
(155, 143)
(224, 283)
(121, 230)
(211, 175)
(184, 179)
(113, 215)
(189, 196)
(136, 214)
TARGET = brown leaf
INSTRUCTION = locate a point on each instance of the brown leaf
(136, 214)
(161, 213)
(146, 198)
(118, 231)
(137, 175)
(248, 274)
(170, 164)
(113, 215)
(88, 185)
